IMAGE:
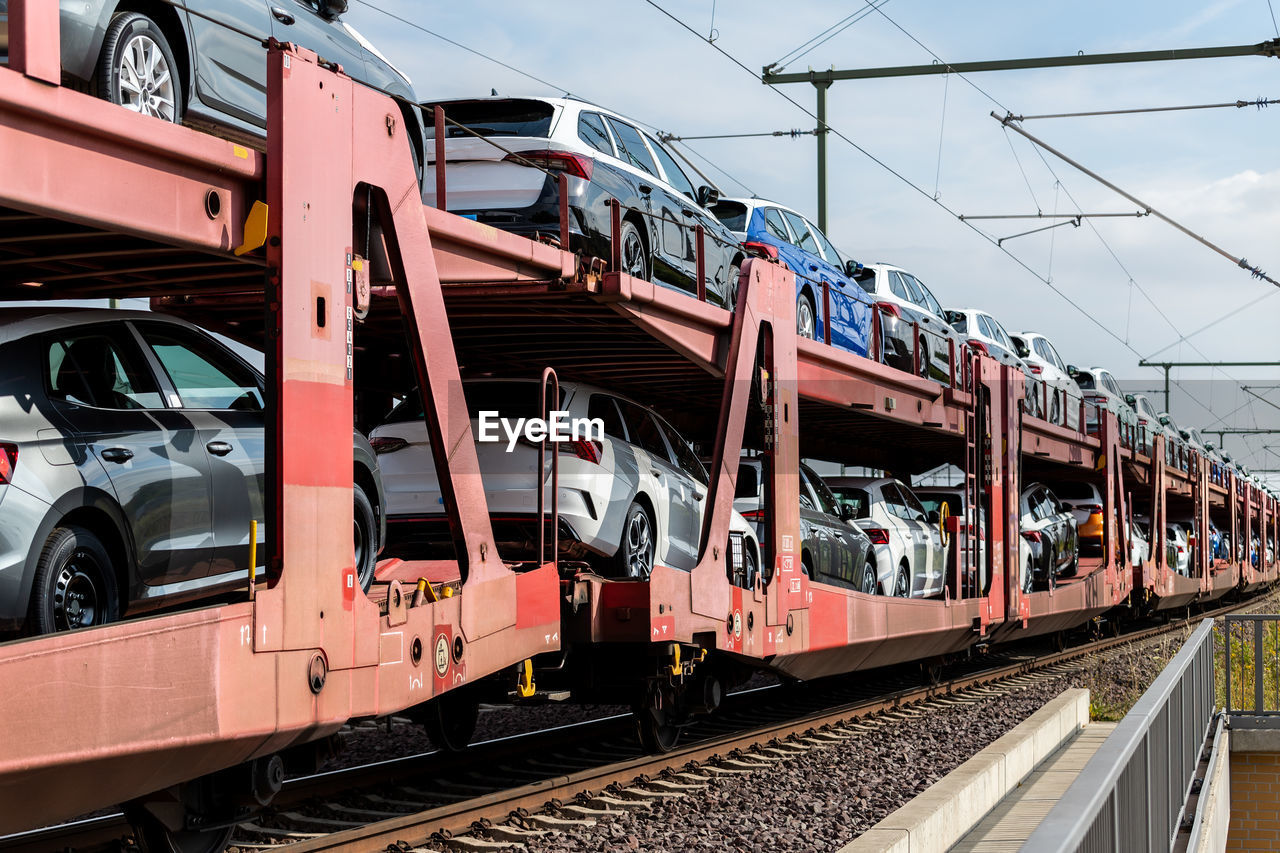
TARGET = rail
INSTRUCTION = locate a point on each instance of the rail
(1132, 794)
(1251, 670)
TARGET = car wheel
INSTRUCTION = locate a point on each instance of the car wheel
(731, 287)
(365, 538)
(924, 357)
(870, 583)
(752, 562)
(636, 551)
(74, 585)
(806, 318)
(902, 582)
(1055, 413)
(1028, 580)
(635, 259)
(136, 68)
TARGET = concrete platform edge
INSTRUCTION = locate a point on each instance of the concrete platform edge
(943, 813)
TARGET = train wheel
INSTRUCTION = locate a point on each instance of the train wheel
(450, 720)
(658, 734)
(1059, 640)
(152, 836)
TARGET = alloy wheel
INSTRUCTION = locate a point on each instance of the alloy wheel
(806, 322)
(146, 81)
(639, 545)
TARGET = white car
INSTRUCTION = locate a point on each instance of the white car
(984, 333)
(1150, 425)
(1064, 394)
(1102, 393)
(904, 302)
(1139, 547)
(910, 557)
(626, 502)
(1179, 549)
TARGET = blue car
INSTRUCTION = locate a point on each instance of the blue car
(780, 232)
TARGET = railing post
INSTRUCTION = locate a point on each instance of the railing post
(826, 312)
(35, 42)
(562, 182)
(438, 117)
(700, 262)
(1259, 703)
(915, 348)
(615, 235)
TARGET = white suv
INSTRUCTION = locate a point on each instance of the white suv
(626, 502)
(605, 157)
(1064, 394)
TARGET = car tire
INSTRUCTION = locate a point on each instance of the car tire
(902, 582)
(633, 252)
(752, 567)
(806, 318)
(924, 365)
(1055, 410)
(1029, 580)
(153, 89)
(365, 538)
(638, 547)
(870, 581)
(74, 584)
(731, 287)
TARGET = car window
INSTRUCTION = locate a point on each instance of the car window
(935, 502)
(910, 500)
(732, 213)
(775, 226)
(1001, 336)
(1110, 382)
(926, 296)
(828, 251)
(675, 175)
(894, 503)
(1020, 346)
(826, 501)
(591, 131)
(798, 227)
(643, 430)
(99, 367)
(505, 117)
(898, 287)
(1085, 380)
(631, 147)
(1053, 356)
(857, 499)
(604, 407)
(806, 495)
(960, 322)
(204, 377)
(685, 457)
(985, 325)
(1042, 349)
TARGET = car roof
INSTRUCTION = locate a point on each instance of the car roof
(858, 482)
(18, 323)
(762, 202)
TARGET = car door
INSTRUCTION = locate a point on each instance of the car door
(230, 62)
(678, 235)
(659, 208)
(850, 308)
(819, 537)
(223, 398)
(693, 483)
(901, 533)
(929, 551)
(300, 22)
(101, 383)
(679, 515)
(844, 559)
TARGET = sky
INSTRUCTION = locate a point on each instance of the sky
(1119, 289)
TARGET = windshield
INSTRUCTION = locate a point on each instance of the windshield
(508, 117)
(732, 213)
(857, 499)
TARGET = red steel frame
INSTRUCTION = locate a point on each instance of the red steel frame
(93, 718)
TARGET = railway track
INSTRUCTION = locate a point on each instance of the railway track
(586, 771)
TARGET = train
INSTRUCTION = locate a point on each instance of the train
(325, 256)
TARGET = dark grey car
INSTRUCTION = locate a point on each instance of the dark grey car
(131, 464)
(203, 62)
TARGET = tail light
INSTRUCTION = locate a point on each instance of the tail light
(890, 309)
(878, 536)
(588, 449)
(1036, 369)
(387, 444)
(8, 461)
(979, 346)
(754, 515)
(1031, 535)
(1095, 509)
(763, 250)
(577, 165)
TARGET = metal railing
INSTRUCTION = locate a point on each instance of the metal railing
(1131, 795)
(1251, 670)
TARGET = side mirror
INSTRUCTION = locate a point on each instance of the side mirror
(708, 196)
(1072, 369)
(934, 516)
(852, 269)
(333, 8)
(847, 512)
(1128, 398)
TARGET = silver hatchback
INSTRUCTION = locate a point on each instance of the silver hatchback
(131, 464)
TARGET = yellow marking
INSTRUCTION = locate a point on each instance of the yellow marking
(448, 592)
(524, 683)
(357, 264)
(255, 229)
(253, 558)
(675, 667)
(427, 588)
(240, 151)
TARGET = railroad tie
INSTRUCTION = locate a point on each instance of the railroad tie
(257, 829)
(742, 766)
(690, 776)
(507, 832)
(470, 842)
(376, 814)
(717, 770)
(587, 811)
(553, 822)
(604, 801)
(637, 793)
(298, 817)
(678, 787)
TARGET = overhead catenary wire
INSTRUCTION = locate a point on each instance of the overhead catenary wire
(813, 43)
(1009, 122)
(1259, 103)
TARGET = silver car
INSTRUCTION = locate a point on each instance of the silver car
(131, 465)
(907, 540)
(627, 499)
(202, 62)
